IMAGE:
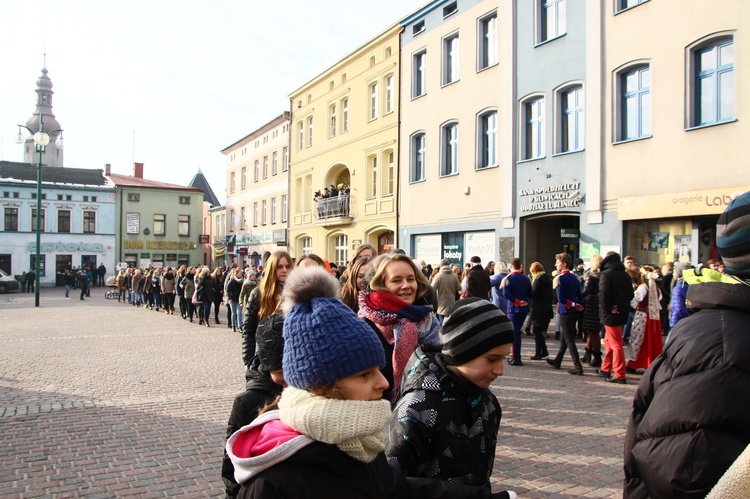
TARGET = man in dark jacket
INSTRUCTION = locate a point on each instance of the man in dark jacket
(690, 414)
(477, 280)
(569, 305)
(615, 293)
(516, 289)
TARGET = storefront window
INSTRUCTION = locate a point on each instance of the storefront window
(656, 242)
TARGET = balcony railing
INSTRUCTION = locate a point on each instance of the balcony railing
(331, 208)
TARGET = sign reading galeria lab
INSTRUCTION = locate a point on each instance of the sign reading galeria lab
(679, 204)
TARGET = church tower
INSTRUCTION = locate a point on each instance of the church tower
(43, 116)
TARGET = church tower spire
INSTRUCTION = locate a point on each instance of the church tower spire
(43, 116)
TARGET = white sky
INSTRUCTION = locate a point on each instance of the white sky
(188, 77)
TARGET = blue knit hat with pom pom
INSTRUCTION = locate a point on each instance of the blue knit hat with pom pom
(324, 340)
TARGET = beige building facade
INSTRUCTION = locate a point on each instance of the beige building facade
(456, 115)
(257, 192)
(673, 127)
(344, 138)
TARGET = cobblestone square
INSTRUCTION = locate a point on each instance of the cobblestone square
(100, 399)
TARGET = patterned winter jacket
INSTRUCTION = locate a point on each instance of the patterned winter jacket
(443, 427)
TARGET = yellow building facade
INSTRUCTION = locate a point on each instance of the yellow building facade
(344, 138)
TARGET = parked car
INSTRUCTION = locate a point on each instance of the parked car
(8, 283)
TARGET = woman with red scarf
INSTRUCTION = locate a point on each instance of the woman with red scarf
(394, 307)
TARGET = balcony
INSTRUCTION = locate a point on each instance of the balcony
(334, 211)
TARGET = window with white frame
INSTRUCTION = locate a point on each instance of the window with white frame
(160, 224)
(298, 204)
(309, 131)
(449, 149)
(183, 225)
(242, 218)
(231, 220)
(373, 100)
(417, 154)
(389, 79)
(634, 103)
(265, 167)
(533, 131)
(551, 16)
(621, 5)
(344, 115)
(285, 159)
(306, 243)
(450, 59)
(308, 192)
(300, 135)
(11, 220)
(41, 220)
(713, 82)
(264, 211)
(255, 214)
(390, 172)
(63, 220)
(571, 119)
(243, 180)
(256, 170)
(284, 207)
(332, 120)
(487, 144)
(372, 176)
(231, 182)
(275, 163)
(89, 223)
(273, 210)
(487, 43)
(419, 74)
(341, 249)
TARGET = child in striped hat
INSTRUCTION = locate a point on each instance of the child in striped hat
(446, 422)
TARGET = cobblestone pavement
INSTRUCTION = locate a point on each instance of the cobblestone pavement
(100, 399)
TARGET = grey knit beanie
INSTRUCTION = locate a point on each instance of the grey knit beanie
(733, 236)
(472, 327)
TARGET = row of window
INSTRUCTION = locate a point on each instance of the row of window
(274, 134)
(710, 75)
(257, 169)
(487, 55)
(160, 225)
(63, 221)
(60, 197)
(135, 197)
(485, 143)
(260, 212)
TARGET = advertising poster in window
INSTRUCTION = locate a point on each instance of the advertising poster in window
(428, 248)
(133, 223)
(682, 251)
(659, 240)
(453, 248)
(481, 244)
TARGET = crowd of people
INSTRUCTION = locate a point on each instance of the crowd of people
(373, 380)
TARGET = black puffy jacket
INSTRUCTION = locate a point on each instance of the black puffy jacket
(615, 290)
(691, 413)
(591, 321)
(541, 302)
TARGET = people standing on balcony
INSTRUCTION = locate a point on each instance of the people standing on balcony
(319, 203)
(395, 308)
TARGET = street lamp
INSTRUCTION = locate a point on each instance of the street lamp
(41, 139)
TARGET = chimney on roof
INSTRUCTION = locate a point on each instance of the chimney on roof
(107, 169)
(138, 170)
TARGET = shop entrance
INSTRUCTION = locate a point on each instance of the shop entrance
(544, 236)
(62, 263)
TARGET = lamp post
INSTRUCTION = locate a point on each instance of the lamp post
(41, 139)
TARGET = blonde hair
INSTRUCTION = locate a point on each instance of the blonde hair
(270, 288)
(350, 291)
(595, 261)
(378, 280)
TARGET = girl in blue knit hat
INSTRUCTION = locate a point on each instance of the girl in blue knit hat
(326, 438)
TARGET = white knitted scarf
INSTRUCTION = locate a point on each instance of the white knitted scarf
(357, 427)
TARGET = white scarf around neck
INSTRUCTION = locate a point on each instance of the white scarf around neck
(357, 427)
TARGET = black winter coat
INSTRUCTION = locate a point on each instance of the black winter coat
(441, 423)
(478, 283)
(204, 289)
(615, 290)
(541, 301)
(591, 321)
(323, 471)
(691, 413)
(250, 325)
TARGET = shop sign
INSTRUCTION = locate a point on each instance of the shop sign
(679, 204)
(428, 248)
(242, 251)
(133, 223)
(255, 238)
(481, 244)
(453, 247)
(159, 245)
(279, 235)
(551, 197)
(203, 239)
(67, 247)
(570, 233)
